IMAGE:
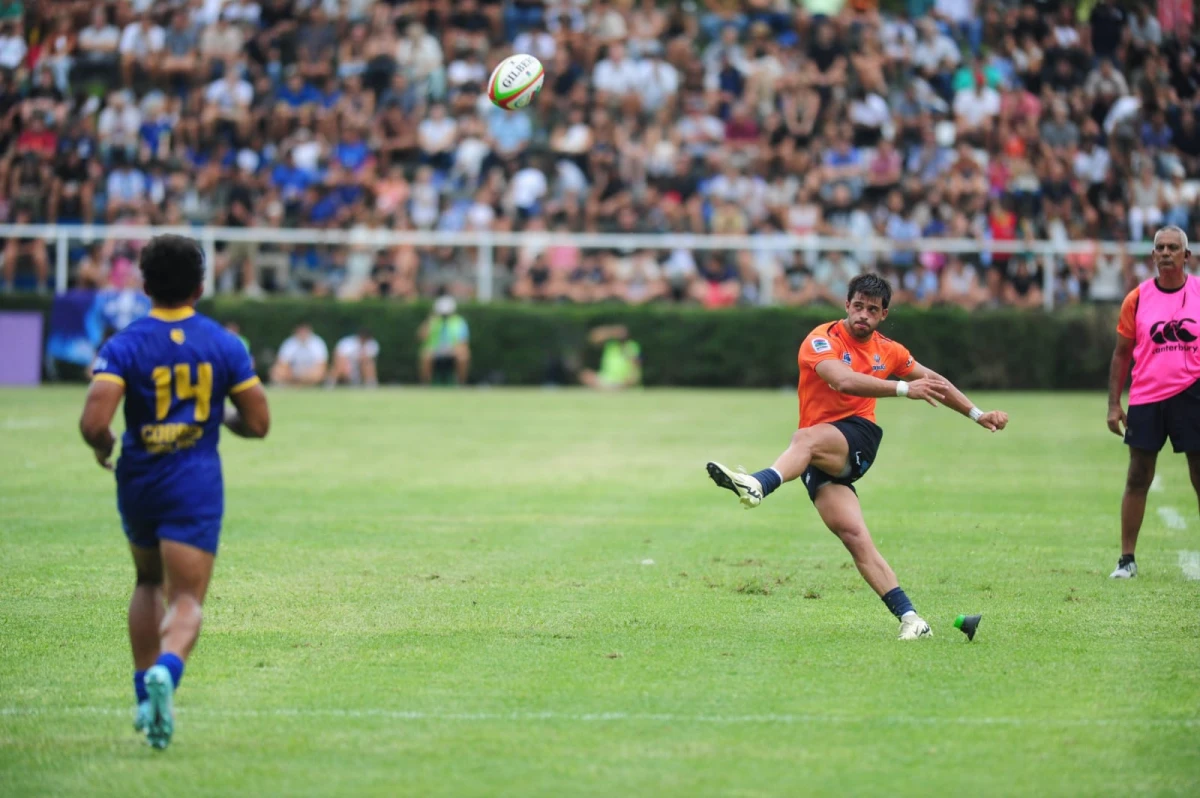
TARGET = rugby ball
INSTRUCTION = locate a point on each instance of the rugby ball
(515, 82)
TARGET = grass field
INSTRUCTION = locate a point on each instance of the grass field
(541, 593)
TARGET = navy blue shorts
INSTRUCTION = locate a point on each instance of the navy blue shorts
(1178, 418)
(863, 438)
(203, 534)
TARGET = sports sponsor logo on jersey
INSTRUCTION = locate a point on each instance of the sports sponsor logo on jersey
(1174, 331)
(101, 364)
(908, 363)
(1173, 336)
(177, 335)
(820, 345)
(846, 358)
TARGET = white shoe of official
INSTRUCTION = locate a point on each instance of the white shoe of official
(913, 627)
(1127, 571)
(748, 489)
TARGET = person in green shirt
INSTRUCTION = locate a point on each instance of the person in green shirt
(620, 360)
(445, 344)
(235, 328)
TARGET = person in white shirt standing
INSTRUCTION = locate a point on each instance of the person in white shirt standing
(354, 360)
(302, 360)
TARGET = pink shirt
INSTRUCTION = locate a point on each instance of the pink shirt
(1165, 328)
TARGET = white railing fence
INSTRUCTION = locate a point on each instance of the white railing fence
(485, 244)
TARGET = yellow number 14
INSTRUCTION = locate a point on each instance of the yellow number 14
(201, 391)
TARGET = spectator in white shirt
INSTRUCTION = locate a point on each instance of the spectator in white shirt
(420, 56)
(437, 137)
(98, 44)
(616, 75)
(537, 42)
(302, 360)
(933, 49)
(658, 82)
(118, 125)
(974, 110)
(141, 47)
(125, 187)
(527, 189)
(354, 360)
(12, 47)
(227, 102)
(466, 71)
(1092, 161)
(962, 17)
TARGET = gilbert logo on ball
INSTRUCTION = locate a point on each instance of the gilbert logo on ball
(515, 82)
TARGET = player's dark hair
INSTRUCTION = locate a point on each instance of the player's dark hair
(871, 286)
(172, 269)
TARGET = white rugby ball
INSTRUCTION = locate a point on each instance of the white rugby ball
(516, 81)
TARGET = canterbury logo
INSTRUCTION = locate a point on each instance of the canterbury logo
(1172, 332)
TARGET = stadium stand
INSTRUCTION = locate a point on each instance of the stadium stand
(950, 119)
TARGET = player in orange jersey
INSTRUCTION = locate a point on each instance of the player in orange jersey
(844, 367)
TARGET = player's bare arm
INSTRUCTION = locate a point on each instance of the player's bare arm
(251, 417)
(932, 388)
(953, 398)
(103, 399)
(1117, 372)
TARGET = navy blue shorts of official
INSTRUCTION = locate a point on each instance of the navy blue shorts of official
(863, 438)
(1178, 418)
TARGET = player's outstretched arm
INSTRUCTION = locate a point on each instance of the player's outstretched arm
(103, 398)
(992, 420)
(844, 379)
(252, 417)
(1117, 372)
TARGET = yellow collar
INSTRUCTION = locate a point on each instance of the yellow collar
(172, 314)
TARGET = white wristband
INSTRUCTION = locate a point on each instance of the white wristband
(901, 388)
(975, 413)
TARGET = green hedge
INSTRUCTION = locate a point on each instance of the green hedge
(514, 344)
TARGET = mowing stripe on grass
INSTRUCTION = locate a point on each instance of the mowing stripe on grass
(532, 716)
(1172, 518)
(1189, 563)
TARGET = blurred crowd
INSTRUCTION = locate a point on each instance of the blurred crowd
(1003, 120)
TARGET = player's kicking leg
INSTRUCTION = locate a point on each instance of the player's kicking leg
(188, 570)
(1133, 508)
(823, 446)
(841, 512)
(145, 618)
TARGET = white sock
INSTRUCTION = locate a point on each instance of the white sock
(912, 613)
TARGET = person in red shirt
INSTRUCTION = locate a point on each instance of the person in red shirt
(845, 366)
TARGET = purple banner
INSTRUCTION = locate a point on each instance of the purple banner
(21, 354)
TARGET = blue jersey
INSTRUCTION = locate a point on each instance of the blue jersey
(177, 368)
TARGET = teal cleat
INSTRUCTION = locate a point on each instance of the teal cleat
(162, 716)
(141, 716)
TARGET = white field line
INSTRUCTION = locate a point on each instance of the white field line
(1172, 518)
(1189, 563)
(1156, 485)
(616, 717)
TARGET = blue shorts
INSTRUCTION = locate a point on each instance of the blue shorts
(863, 438)
(202, 534)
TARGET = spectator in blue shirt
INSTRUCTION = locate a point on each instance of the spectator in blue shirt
(352, 152)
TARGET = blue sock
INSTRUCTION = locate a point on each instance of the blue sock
(897, 602)
(769, 478)
(139, 686)
(174, 666)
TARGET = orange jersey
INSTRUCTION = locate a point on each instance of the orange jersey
(879, 356)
